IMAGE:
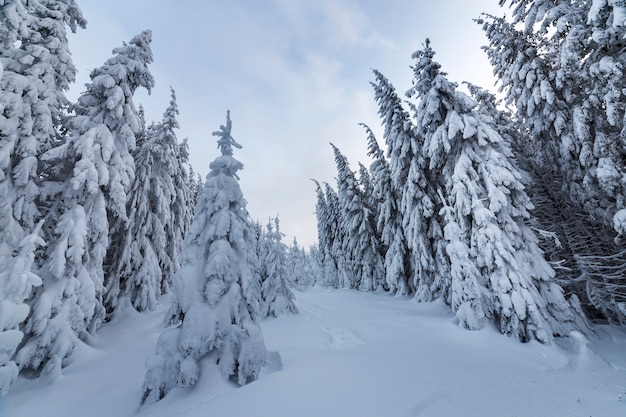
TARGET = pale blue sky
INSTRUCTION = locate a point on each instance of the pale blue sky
(294, 73)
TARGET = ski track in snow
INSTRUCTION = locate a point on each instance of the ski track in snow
(348, 354)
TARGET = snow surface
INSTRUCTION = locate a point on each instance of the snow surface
(348, 354)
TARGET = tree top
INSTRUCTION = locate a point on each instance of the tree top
(226, 141)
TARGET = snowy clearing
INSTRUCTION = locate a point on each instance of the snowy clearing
(348, 353)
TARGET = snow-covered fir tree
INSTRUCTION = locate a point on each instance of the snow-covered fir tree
(561, 64)
(300, 271)
(186, 197)
(277, 296)
(150, 246)
(398, 138)
(108, 101)
(35, 72)
(211, 313)
(254, 262)
(340, 264)
(183, 199)
(361, 244)
(325, 234)
(497, 269)
(389, 220)
(94, 169)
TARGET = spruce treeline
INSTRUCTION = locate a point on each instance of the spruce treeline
(515, 217)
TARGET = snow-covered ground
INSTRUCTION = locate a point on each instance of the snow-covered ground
(349, 354)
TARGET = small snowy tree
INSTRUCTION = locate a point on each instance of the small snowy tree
(277, 296)
(211, 310)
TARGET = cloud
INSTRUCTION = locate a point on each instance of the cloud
(294, 73)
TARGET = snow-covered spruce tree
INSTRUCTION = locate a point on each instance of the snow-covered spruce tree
(300, 271)
(568, 89)
(255, 303)
(338, 240)
(388, 221)
(210, 313)
(145, 265)
(107, 116)
(277, 296)
(185, 197)
(88, 188)
(195, 186)
(326, 261)
(497, 268)
(398, 138)
(366, 185)
(150, 247)
(316, 263)
(35, 71)
(361, 244)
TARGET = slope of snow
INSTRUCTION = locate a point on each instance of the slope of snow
(349, 354)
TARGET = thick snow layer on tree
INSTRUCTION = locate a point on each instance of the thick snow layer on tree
(348, 353)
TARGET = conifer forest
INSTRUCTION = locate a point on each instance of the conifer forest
(506, 206)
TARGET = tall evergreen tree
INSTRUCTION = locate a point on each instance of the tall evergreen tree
(109, 101)
(89, 188)
(325, 236)
(212, 292)
(389, 220)
(149, 250)
(35, 72)
(340, 264)
(184, 197)
(561, 64)
(400, 151)
(150, 247)
(361, 245)
(497, 269)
